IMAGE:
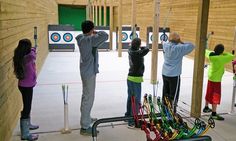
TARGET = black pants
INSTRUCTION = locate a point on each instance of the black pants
(27, 95)
(171, 87)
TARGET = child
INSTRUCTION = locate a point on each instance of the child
(25, 71)
(217, 59)
(88, 43)
(135, 76)
(173, 52)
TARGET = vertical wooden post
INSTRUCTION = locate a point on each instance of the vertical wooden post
(100, 12)
(199, 58)
(96, 12)
(87, 10)
(156, 19)
(111, 24)
(90, 10)
(105, 13)
(133, 22)
(93, 14)
(234, 40)
(120, 29)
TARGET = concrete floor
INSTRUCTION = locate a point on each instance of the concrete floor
(63, 68)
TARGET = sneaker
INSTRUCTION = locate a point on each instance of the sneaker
(93, 119)
(131, 125)
(207, 110)
(87, 132)
(217, 117)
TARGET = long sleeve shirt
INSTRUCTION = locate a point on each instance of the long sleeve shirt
(173, 56)
(29, 70)
(136, 63)
(88, 45)
(216, 67)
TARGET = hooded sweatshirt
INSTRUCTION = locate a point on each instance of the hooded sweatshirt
(136, 63)
(88, 45)
(29, 70)
(173, 56)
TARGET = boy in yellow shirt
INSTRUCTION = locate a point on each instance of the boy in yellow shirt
(217, 59)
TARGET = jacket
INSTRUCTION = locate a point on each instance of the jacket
(88, 45)
(136, 61)
(30, 77)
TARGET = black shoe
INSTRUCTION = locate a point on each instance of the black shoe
(93, 119)
(217, 117)
(207, 110)
(87, 132)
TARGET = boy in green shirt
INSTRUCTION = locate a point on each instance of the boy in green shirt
(217, 59)
(135, 77)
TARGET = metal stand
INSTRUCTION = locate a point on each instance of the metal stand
(233, 96)
(114, 119)
(201, 138)
(66, 128)
(232, 112)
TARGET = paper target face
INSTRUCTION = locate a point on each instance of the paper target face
(124, 36)
(63, 37)
(164, 37)
(67, 37)
(131, 35)
(55, 37)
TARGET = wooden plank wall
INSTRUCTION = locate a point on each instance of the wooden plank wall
(183, 19)
(222, 20)
(17, 19)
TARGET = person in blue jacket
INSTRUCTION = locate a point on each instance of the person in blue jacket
(174, 51)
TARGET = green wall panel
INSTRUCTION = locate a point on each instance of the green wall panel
(72, 15)
(107, 16)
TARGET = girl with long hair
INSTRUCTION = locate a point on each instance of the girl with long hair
(25, 71)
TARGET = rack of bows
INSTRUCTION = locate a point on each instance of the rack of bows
(169, 125)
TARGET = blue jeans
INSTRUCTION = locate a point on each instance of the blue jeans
(133, 89)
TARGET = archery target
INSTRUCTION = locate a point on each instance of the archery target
(127, 37)
(124, 36)
(162, 37)
(131, 35)
(67, 37)
(55, 37)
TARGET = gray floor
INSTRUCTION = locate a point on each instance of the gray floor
(63, 68)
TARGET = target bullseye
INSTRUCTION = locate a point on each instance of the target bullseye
(124, 36)
(67, 37)
(55, 37)
(164, 37)
(131, 35)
